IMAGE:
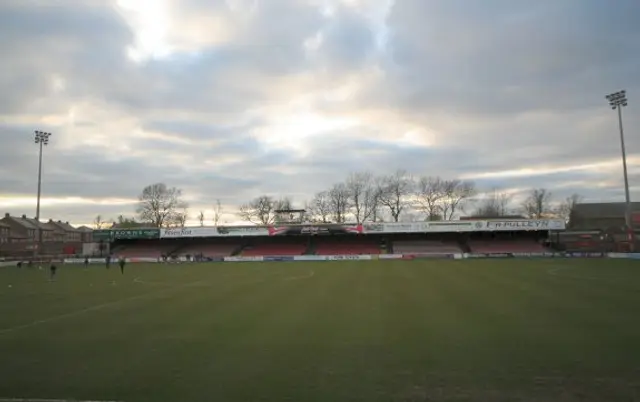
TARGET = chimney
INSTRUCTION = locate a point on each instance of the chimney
(24, 216)
(50, 220)
(67, 222)
(6, 215)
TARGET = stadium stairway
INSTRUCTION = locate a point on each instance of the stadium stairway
(311, 248)
(464, 245)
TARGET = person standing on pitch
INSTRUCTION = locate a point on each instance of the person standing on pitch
(86, 262)
(108, 260)
(52, 270)
(122, 261)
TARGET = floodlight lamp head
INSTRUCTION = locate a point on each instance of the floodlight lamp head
(42, 137)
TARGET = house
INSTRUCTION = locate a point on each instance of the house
(5, 231)
(57, 233)
(65, 232)
(46, 231)
(86, 234)
(20, 229)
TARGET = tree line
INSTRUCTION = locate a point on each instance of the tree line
(361, 197)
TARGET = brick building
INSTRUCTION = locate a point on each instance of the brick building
(5, 231)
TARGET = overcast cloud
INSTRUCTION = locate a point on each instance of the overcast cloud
(229, 99)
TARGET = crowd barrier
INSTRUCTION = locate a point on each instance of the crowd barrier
(635, 256)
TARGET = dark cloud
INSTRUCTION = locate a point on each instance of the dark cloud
(510, 57)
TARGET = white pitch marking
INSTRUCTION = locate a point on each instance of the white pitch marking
(309, 275)
(85, 310)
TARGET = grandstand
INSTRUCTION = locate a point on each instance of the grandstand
(426, 247)
(506, 246)
(291, 239)
(346, 245)
(144, 248)
(276, 247)
(209, 249)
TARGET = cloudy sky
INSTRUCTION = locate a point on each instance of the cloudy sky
(229, 99)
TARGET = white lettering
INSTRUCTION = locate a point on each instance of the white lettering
(532, 224)
(177, 232)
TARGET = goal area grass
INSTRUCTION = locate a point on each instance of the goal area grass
(388, 330)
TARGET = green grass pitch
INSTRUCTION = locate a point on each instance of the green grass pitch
(485, 330)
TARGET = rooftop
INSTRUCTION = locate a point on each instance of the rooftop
(604, 209)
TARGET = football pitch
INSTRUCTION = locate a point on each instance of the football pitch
(424, 330)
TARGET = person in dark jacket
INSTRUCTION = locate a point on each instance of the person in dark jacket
(52, 270)
(122, 263)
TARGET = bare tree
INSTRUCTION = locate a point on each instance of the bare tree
(261, 210)
(537, 205)
(159, 204)
(338, 197)
(201, 218)
(456, 193)
(217, 212)
(181, 218)
(378, 187)
(429, 192)
(394, 190)
(125, 222)
(99, 223)
(363, 195)
(496, 204)
(319, 208)
(566, 207)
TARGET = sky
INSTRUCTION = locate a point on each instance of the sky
(230, 99)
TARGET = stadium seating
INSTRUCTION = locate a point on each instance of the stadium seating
(346, 245)
(425, 247)
(506, 246)
(285, 247)
(152, 249)
(209, 249)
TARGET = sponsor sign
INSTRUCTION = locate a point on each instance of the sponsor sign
(431, 256)
(221, 231)
(325, 229)
(278, 258)
(634, 256)
(455, 226)
(347, 257)
(118, 234)
(242, 259)
(103, 261)
(309, 258)
(390, 257)
(618, 255)
(395, 227)
(525, 224)
(536, 255)
(584, 255)
(81, 261)
(144, 259)
(464, 226)
(488, 255)
(241, 231)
